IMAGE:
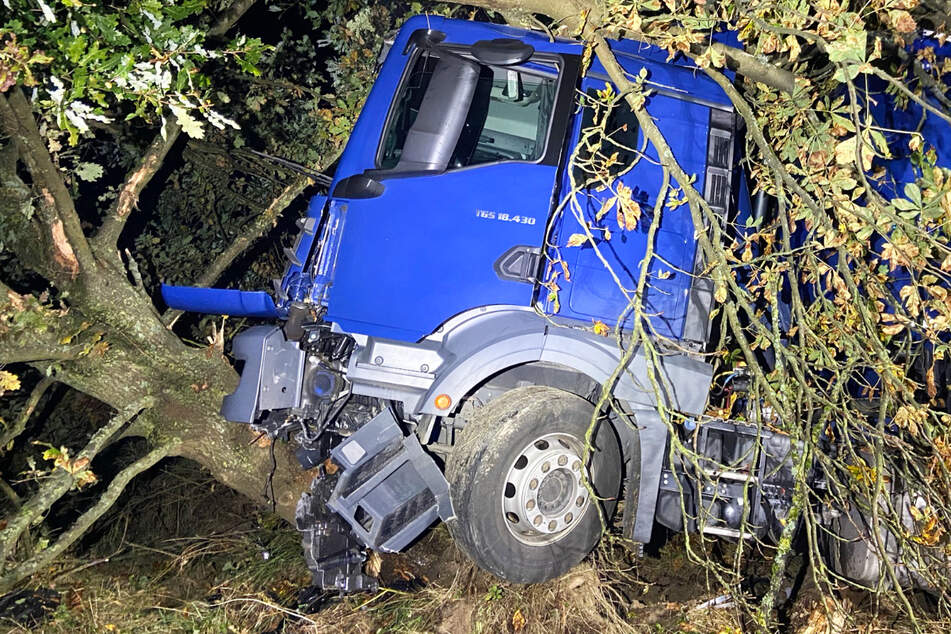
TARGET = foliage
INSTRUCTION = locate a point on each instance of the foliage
(312, 84)
(837, 302)
(861, 359)
(94, 63)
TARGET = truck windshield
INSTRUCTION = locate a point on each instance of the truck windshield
(507, 119)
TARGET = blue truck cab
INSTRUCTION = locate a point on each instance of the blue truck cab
(435, 323)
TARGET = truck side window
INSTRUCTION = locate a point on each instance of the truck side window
(409, 100)
(507, 119)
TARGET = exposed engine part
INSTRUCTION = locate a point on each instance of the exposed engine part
(875, 557)
(333, 554)
(741, 486)
(383, 485)
(315, 444)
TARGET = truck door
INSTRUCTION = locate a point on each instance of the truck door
(446, 204)
(697, 124)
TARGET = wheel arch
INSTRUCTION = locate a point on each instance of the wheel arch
(521, 349)
(683, 381)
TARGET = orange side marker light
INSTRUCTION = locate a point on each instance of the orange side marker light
(443, 401)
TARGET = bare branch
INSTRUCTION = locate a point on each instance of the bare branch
(255, 230)
(71, 250)
(10, 434)
(26, 541)
(136, 181)
(229, 16)
(922, 101)
(258, 227)
(748, 66)
(578, 14)
(61, 480)
(29, 354)
(86, 520)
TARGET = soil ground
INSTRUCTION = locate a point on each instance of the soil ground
(183, 554)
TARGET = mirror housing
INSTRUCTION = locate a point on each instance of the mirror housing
(502, 51)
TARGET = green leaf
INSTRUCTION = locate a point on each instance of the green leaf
(913, 193)
(52, 454)
(903, 204)
(190, 125)
(849, 47)
(89, 172)
(847, 73)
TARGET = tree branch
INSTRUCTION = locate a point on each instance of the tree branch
(696, 202)
(136, 181)
(26, 540)
(29, 354)
(572, 13)
(11, 434)
(748, 66)
(86, 520)
(71, 250)
(229, 16)
(254, 230)
(258, 227)
(42, 338)
(61, 480)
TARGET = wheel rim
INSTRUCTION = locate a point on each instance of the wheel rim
(544, 496)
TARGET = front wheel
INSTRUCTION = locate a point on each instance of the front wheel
(517, 481)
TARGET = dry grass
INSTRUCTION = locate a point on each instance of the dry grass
(172, 568)
(221, 583)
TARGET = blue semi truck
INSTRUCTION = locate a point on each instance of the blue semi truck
(418, 343)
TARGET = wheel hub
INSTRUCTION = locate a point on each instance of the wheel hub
(544, 496)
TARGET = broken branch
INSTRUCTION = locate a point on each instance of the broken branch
(71, 248)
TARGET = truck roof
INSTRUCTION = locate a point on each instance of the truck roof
(668, 74)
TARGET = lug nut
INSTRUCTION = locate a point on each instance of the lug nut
(546, 467)
(530, 505)
(576, 466)
(579, 501)
(537, 520)
(568, 518)
(552, 525)
(533, 484)
(562, 461)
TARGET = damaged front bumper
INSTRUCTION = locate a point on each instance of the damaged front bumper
(380, 490)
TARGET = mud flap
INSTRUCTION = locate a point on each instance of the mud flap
(389, 490)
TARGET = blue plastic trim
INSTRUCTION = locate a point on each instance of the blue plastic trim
(220, 301)
(296, 282)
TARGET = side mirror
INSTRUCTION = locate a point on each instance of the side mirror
(441, 117)
(503, 51)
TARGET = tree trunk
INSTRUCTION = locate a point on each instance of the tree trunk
(187, 385)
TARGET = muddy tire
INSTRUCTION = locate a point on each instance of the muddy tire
(522, 509)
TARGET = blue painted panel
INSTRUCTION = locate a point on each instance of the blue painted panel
(418, 254)
(220, 301)
(424, 250)
(592, 293)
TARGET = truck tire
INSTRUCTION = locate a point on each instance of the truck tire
(522, 511)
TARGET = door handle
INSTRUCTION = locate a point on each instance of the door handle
(358, 186)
